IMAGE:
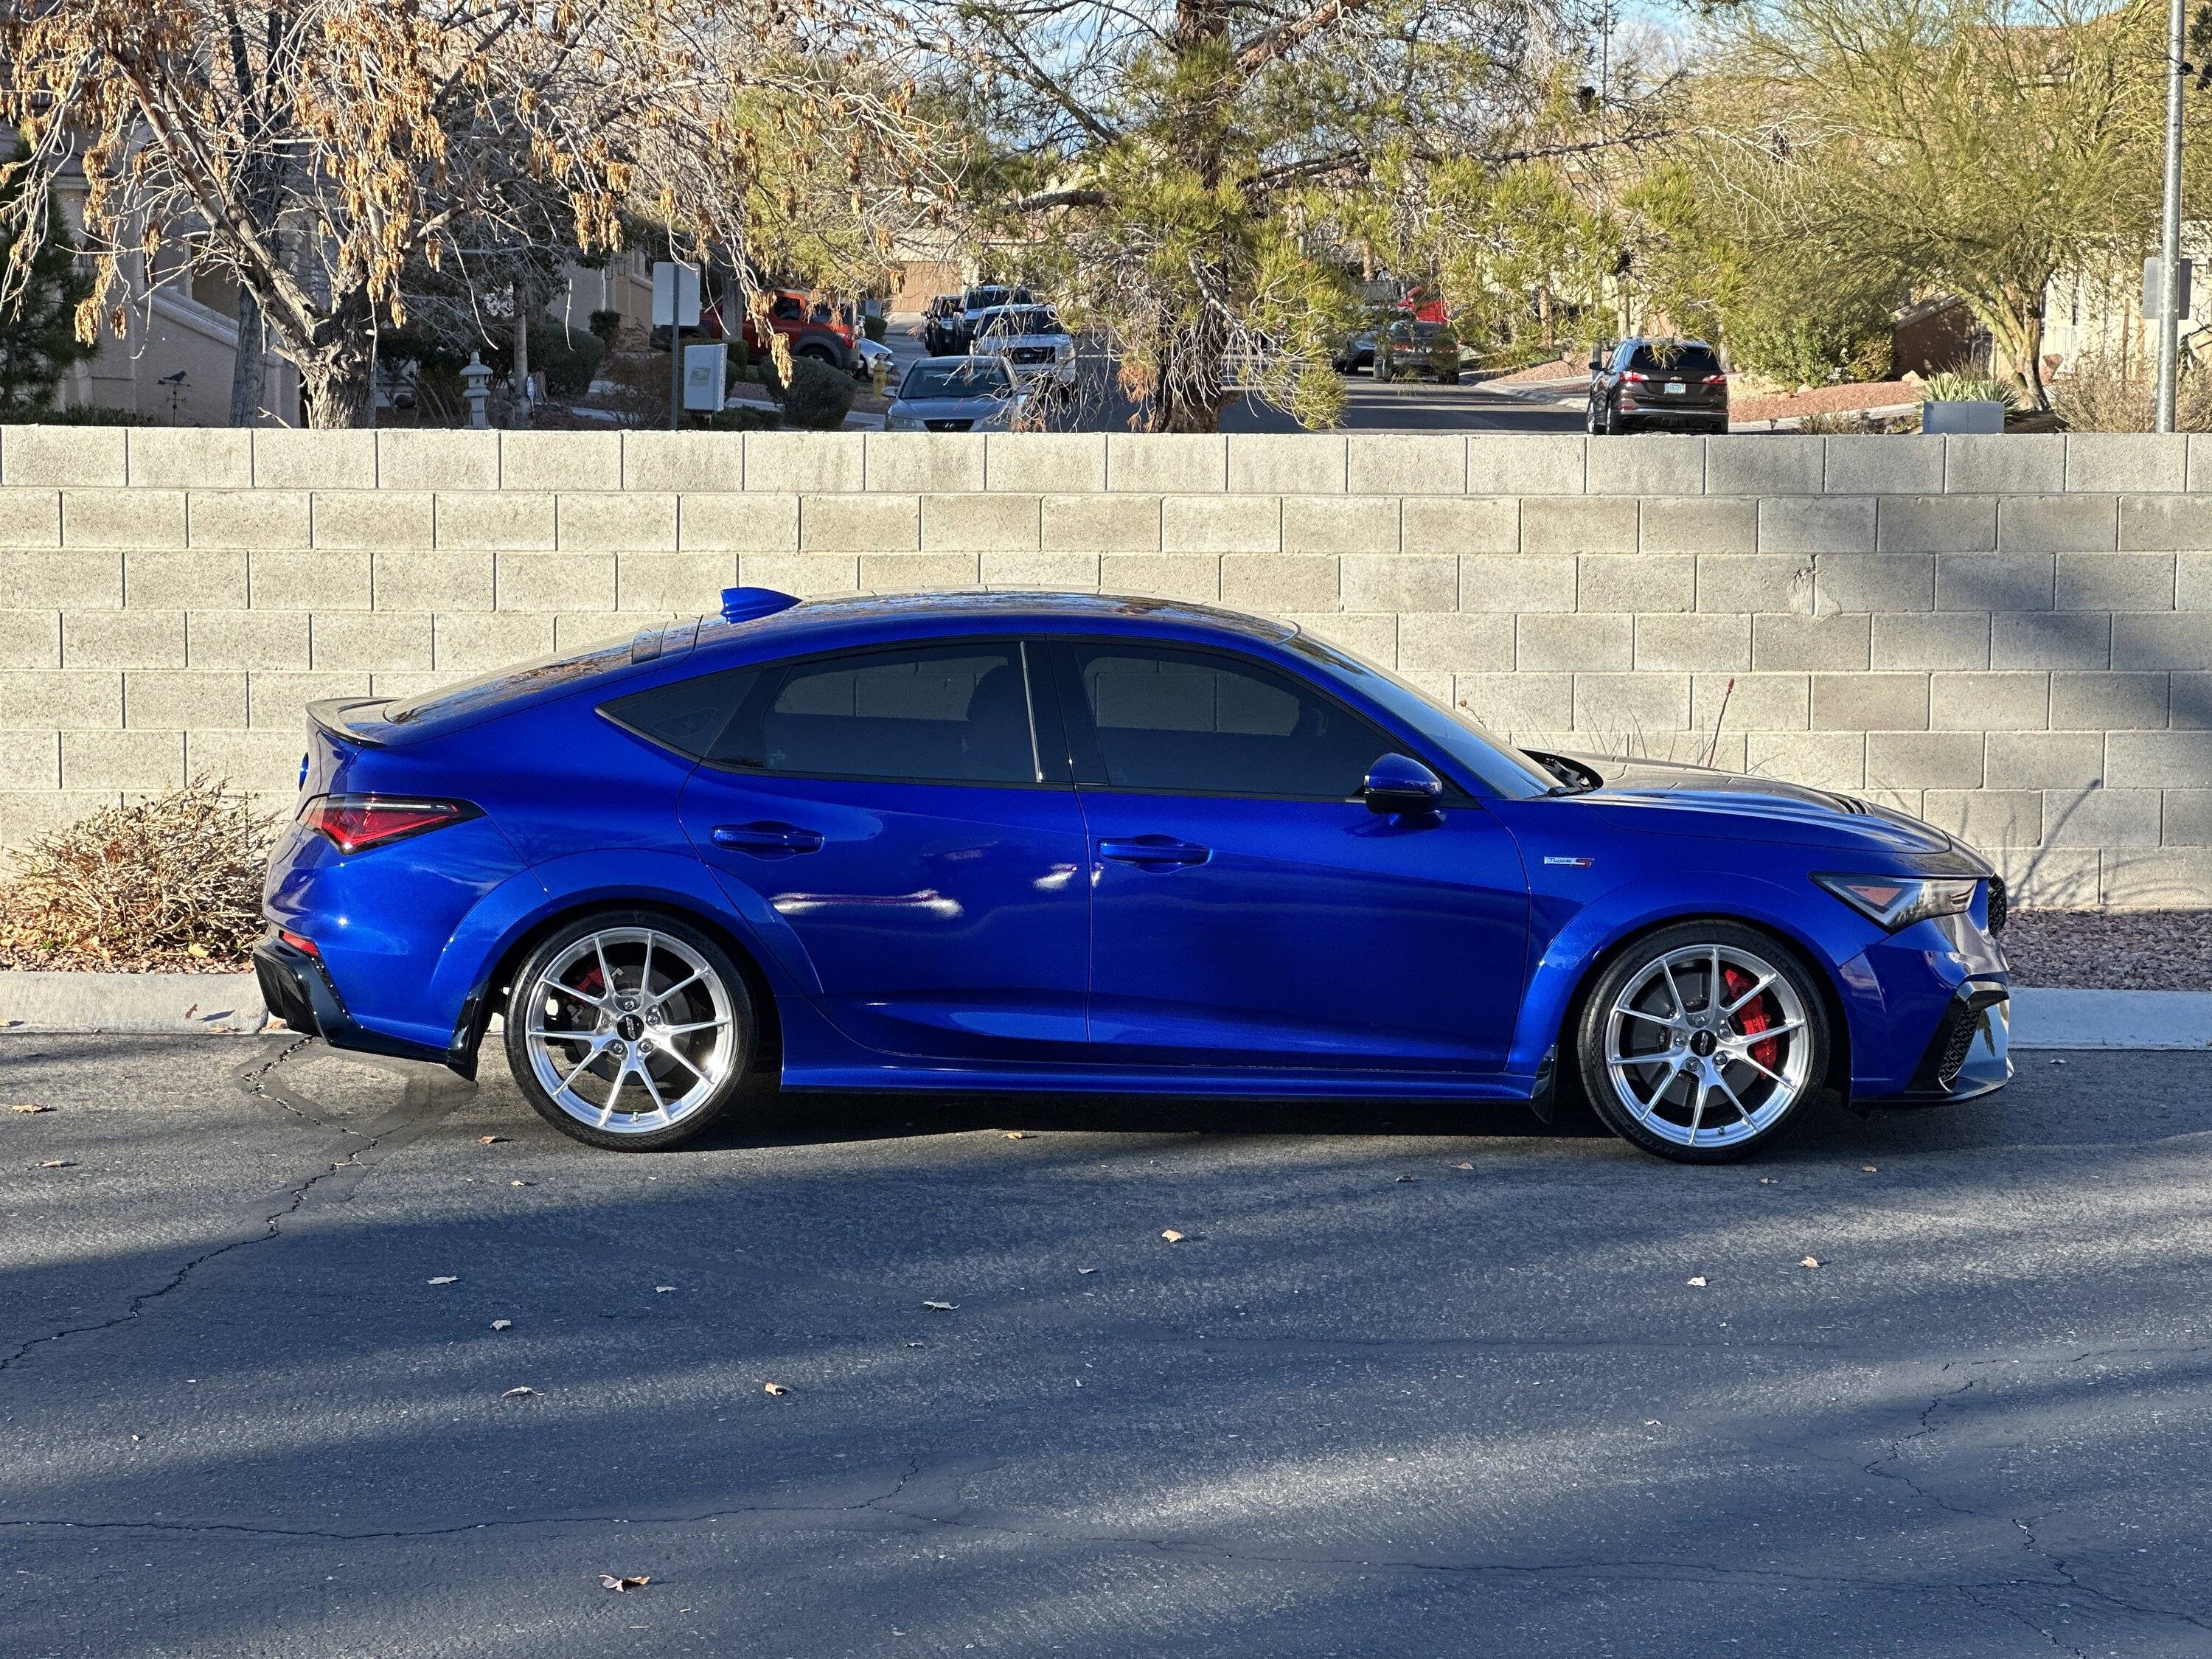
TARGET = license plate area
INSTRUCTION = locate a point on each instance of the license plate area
(1675, 388)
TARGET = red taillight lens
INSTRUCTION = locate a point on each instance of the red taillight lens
(299, 941)
(353, 823)
(1631, 376)
(1716, 379)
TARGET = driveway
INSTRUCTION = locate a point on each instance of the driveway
(1414, 1381)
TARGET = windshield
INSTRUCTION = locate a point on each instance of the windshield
(1458, 733)
(495, 690)
(971, 377)
(1022, 319)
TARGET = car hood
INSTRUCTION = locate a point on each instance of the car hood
(1669, 798)
(1008, 342)
(953, 409)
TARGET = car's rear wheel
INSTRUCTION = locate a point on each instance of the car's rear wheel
(1703, 1042)
(630, 1030)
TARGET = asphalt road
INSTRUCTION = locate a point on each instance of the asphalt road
(1374, 1402)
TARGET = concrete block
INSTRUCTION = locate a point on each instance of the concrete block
(123, 639)
(979, 523)
(85, 456)
(1517, 702)
(678, 461)
(1823, 760)
(2155, 878)
(385, 641)
(1924, 760)
(1342, 524)
(630, 521)
(1578, 524)
(2057, 524)
(246, 760)
(1101, 524)
(432, 581)
(1635, 581)
(2102, 817)
(500, 522)
(1576, 644)
(1455, 644)
(1078, 573)
(247, 518)
(37, 582)
(925, 462)
(1986, 818)
(810, 575)
(40, 700)
(1646, 463)
(463, 643)
(1155, 463)
(353, 519)
(152, 761)
(903, 573)
(1688, 525)
(2162, 639)
(1633, 711)
(1517, 581)
(1755, 581)
(198, 580)
(2123, 461)
(1810, 643)
(1873, 581)
(190, 457)
(1405, 463)
(860, 524)
(2051, 639)
(1869, 703)
(676, 583)
(806, 463)
(31, 639)
(403, 686)
(1046, 462)
(1750, 703)
(1693, 641)
(1920, 639)
(278, 703)
(1277, 582)
(30, 518)
(2133, 760)
(553, 581)
(1160, 576)
(194, 700)
(316, 581)
(2116, 581)
(2108, 701)
(2007, 463)
(123, 518)
(2191, 695)
(1287, 464)
(437, 460)
(1525, 463)
(1994, 581)
(1882, 464)
(288, 457)
(30, 760)
(754, 522)
(2063, 878)
(1402, 582)
(1458, 524)
(2192, 581)
(545, 462)
(2187, 821)
(1764, 464)
(2165, 524)
(1221, 524)
(247, 639)
(2200, 461)
(1827, 523)
(1934, 524)
(1991, 701)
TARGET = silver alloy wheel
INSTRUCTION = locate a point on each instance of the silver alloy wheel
(1707, 1045)
(630, 1031)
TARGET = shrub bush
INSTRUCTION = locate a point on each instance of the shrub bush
(569, 359)
(170, 883)
(1444, 355)
(607, 325)
(875, 325)
(817, 399)
(2098, 394)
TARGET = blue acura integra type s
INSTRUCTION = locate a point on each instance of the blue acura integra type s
(1023, 841)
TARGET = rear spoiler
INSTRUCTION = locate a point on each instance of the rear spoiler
(350, 719)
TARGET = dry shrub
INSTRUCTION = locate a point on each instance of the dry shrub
(173, 882)
(2100, 394)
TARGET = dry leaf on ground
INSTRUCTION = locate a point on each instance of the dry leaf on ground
(30, 1106)
(1869, 1169)
(1699, 1280)
(444, 1279)
(1086, 1270)
(58, 1163)
(1172, 1236)
(1016, 1134)
(490, 1140)
(519, 1394)
(1462, 1166)
(609, 1581)
(1810, 1262)
(774, 1387)
(940, 1307)
(662, 1290)
(502, 1324)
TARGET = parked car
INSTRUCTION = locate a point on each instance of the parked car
(977, 841)
(1357, 352)
(957, 394)
(1657, 385)
(1407, 347)
(1032, 341)
(867, 354)
(988, 296)
(813, 330)
(943, 332)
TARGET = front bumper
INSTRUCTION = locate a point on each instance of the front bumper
(1971, 1053)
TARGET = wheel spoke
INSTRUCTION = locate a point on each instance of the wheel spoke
(645, 1076)
(1720, 1082)
(1681, 1008)
(668, 991)
(606, 973)
(1713, 982)
(1730, 1011)
(1746, 1059)
(1655, 1019)
(695, 1025)
(684, 1061)
(570, 990)
(598, 1048)
(1697, 1107)
(615, 1093)
(645, 974)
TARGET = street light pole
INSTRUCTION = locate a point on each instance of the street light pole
(2169, 272)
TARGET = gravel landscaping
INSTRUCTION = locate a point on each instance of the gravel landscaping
(2118, 950)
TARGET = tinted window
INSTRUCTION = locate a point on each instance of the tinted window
(971, 377)
(954, 714)
(1672, 357)
(1194, 723)
(687, 715)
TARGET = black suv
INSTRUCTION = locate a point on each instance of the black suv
(1676, 385)
(942, 335)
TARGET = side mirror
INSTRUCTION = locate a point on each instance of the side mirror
(1400, 784)
(1597, 363)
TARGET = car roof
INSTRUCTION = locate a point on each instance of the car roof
(953, 363)
(871, 617)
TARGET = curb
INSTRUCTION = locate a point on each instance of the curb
(2046, 1017)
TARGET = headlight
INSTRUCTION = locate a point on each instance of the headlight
(1896, 902)
(906, 423)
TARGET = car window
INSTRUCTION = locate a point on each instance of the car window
(955, 714)
(971, 377)
(686, 715)
(788, 309)
(1029, 320)
(1674, 357)
(1199, 723)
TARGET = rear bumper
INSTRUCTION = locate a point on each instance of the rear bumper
(1674, 418)
(298, 989)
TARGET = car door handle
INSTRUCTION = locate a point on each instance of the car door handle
(1154, 852)
(769, 839)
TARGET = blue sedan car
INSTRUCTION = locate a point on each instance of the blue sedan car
(1061, 842)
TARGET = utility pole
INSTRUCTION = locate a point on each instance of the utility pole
(2169, 273)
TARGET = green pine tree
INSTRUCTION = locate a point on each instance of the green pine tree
(38, 334)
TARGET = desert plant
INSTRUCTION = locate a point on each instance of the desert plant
(818, 398)
(1443, 356)
(2101, 393)
(170, 882)
(1951, 388)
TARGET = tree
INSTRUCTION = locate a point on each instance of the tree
(318, 149)
(38, 344)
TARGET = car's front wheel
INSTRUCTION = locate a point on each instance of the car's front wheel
(1702, 1041)
(630, 1030)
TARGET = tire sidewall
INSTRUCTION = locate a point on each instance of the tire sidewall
(741, 1012)
(1632, 959)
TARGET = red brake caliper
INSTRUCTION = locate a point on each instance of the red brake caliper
(1753, 1018)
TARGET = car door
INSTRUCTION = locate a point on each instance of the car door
(1246, 909)
(888, 807)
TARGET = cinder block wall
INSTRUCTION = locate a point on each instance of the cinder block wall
(2010, 636)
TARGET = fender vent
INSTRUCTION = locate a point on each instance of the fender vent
(1999, 906)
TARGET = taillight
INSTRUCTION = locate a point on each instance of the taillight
(299, 942)
(1631, 374)
(353, 823)
(1716, 379)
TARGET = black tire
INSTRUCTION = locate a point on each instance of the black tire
(1808, 1068)
(1590, 423)
(1382, 371)
(714, 1104)
(1613, 426)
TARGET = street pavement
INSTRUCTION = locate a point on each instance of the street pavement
(1415, 1381)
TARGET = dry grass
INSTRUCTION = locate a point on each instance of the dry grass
(170, 883)
(2096, 394)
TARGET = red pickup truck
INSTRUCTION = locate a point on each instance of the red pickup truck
(812, 327)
